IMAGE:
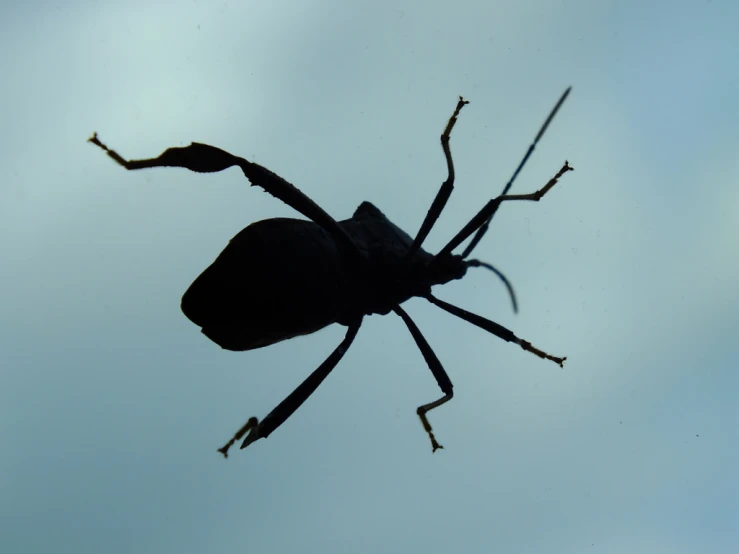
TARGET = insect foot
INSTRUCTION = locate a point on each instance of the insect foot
(251, 426)
(427, 426)
(421, 411)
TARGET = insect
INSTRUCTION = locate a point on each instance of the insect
(281, 278)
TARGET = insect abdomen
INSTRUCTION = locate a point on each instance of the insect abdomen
(276, 279)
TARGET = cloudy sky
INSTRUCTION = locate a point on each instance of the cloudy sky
(112, 404)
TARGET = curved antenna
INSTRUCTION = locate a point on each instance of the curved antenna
(478, 263)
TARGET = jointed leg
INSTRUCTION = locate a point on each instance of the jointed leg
(483, 217)
(446, 188)
(445, 384)
(287, 407)
(494, 328)
(481, 226)
(203, 158)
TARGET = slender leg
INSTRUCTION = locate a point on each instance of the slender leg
(494, 328)
(261, 430)
(484, 216)
(203, 158)
(541, 132)
(483, 226)
(445, 384)
(446, 188)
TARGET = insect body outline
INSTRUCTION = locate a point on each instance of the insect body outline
(330, 271)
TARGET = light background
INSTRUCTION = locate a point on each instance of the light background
(112, 404)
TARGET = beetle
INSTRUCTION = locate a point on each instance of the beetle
(281, 278)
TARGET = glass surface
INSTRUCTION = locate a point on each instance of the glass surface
(112, 403)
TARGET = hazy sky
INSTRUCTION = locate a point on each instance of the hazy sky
(112, 404)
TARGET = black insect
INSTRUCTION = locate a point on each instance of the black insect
(281, 278)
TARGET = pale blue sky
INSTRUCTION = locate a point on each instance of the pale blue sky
(112, 404)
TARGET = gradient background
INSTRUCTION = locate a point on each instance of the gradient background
(112, 404)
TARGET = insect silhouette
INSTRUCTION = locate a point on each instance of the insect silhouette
(281, 278)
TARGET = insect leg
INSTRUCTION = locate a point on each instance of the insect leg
(494, 328)
(483, 217)
(261, 430)
(445, 384)
(483, 226)
(446, 187)
(203, 158)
